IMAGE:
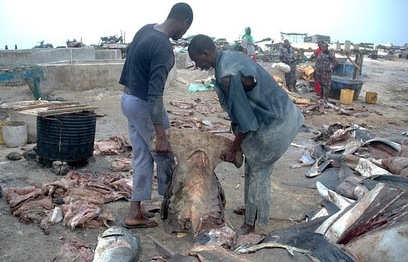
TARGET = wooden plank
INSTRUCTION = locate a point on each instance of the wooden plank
(64, 106)
(46, 105)
(66, 110)
(351, 61)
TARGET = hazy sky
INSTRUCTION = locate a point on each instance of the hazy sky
(26, 22)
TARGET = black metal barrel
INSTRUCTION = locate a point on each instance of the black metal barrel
(68, 137)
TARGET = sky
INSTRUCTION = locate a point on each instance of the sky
(26, 22)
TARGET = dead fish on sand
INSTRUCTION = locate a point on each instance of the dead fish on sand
(117, 244)
(362, 215)
(365, 167)
(195, 199)
(197, 253)
(339, 200)
(302, 236)
(386, 244)
(318, 167)
(305, 160)
(290, 249)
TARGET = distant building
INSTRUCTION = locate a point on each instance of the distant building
(293, 37)
(317, 38)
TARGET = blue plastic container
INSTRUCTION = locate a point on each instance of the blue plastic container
(344, 69)
(343, 83)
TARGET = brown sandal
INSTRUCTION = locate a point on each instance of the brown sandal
(146, 224)
(147, 214)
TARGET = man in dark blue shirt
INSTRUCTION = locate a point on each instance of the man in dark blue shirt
(149, 59)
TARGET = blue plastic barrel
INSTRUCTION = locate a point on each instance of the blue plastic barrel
(337, 84)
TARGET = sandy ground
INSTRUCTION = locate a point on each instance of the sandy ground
(292, 193)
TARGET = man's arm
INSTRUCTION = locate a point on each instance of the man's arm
(162, 144)
(160, 67)
(248, 83)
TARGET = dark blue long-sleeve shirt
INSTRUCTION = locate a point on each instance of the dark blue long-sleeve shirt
(149, 59)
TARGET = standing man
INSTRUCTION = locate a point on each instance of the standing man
(287, 56)
(264, 120)
(248, 44)
(149, 59)
(325, 63)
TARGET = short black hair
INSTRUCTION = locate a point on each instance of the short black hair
(199, 43)
(181, 11)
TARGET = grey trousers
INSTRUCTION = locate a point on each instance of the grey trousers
(141, 130)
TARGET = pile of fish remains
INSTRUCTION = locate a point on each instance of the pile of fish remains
(77, 200)
(364, 189)
(364, 185)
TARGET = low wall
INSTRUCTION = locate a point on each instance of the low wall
(46, 55)
(57, 55)
(104, 54)
(86, 76)
(81, 76)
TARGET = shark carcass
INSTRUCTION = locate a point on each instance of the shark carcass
(195, 200)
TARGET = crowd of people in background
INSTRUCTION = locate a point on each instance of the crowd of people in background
(325, 62)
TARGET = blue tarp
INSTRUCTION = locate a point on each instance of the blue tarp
(199, 87)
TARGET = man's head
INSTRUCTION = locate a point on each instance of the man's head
(319, 44)
(286, 43)
(181, 16)
(248, 30)
(203, 52)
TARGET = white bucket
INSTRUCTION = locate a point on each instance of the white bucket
(14, 133)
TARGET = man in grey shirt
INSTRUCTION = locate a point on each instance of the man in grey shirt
(263, 118)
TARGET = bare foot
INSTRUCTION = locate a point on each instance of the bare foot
(139, 223)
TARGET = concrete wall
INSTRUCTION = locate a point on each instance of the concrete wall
(56, 55)
(114, 54)
(46, 55)
(77, 68)
(86, 76)
(81, 76)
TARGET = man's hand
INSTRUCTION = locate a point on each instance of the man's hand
(162, 144)
(230, 154)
